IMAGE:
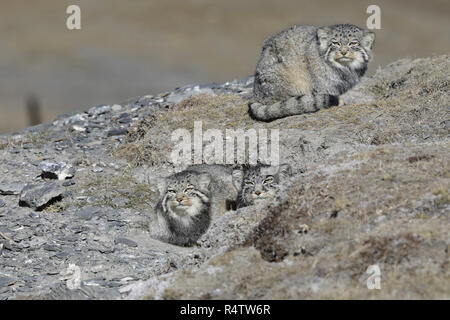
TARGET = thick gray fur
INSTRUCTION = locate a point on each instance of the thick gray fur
(206, 189)
(260, 183)
(304, 69)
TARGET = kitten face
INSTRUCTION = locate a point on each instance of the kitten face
(259, 184)
(346, 46)
(186, 195)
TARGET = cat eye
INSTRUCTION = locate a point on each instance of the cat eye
(249, 183)
(188, 189)
(335, 43)
(172, 191)
(353, 43)
(268, 180)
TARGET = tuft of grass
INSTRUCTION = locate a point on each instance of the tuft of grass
(57, 207)
(124, 185)
(3, 144)
(37, 139)
(443, 192)
(380, 89)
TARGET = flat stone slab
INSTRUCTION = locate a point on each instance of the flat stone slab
(11, 188)
(39, 196)
(87, 212)
(126, 242)
(6, 281)
(56, 170)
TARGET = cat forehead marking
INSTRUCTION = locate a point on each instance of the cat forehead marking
(269, 171)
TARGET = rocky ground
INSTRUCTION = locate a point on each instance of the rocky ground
(370, 187)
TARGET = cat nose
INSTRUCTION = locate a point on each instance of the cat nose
(344, 51)
(257, 192)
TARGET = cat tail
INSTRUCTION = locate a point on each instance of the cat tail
(293, 106)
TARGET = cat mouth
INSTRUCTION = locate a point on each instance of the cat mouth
(260, 198)
(344, 59)
(182, 206)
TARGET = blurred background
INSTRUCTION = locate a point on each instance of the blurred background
(131, 48)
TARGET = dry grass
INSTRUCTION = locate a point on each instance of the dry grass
(380, 198)
(139, 195)
(37, 139)
(360, 217)
(149, 142)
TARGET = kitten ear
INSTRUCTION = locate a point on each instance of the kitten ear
(285, 170)
(368, 40)
(237, 177)
(323, 35)
(204, 179)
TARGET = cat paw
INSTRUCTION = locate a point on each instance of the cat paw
(255, 108)
(254, 105)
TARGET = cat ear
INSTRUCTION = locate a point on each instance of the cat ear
(161, 185)
(368, 40)
(323, 35)
(237, 177)
(285, 170)
(204, 179)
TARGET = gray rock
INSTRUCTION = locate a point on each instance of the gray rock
(2, 204)
(11, 188)
(8, 245)
(39, 196)
(78, 229)
(120, 201)
(23, 234)
(79, 128)
(87, 212)
(125, 120)
(96, 111)
(116, 107)
(114, 284)
(117, 132)
(90, 292)
(101, 249)
(52, 272)
(62, 255)
(77, 118)
(126, 242)
(97, 169)
(95, 282)
(68, 183)
(6, 281)
(51, 247)
(56, 170)
(182, 94)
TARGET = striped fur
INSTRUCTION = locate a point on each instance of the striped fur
(189, 200)
(260, 183)
(292, 106)
(304, 69)
(183, 213)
